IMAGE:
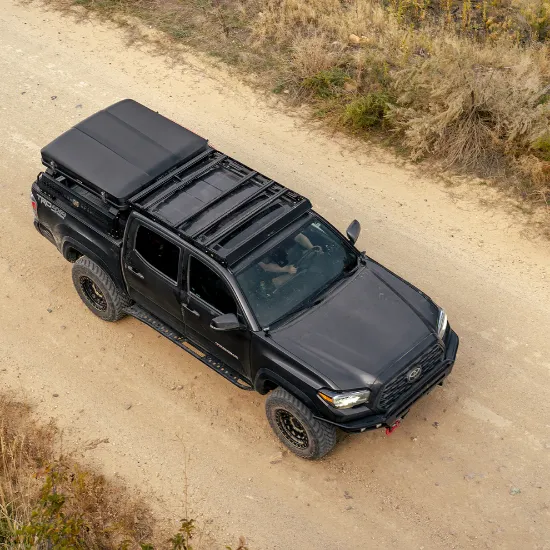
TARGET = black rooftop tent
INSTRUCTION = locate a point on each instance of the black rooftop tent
(121, 149)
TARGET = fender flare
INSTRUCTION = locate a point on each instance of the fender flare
(267, 375)
(69, 243)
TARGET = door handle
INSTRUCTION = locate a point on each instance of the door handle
(133, 270)
(193, 311)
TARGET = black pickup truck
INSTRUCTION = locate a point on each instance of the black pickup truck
(241, 273)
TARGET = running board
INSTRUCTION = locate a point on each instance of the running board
(208, 359)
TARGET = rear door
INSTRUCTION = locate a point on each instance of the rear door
(210, 295)
(152, 264)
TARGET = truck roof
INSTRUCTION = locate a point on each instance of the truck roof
(121, 149)
(131, 157)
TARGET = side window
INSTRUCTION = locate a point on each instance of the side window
(157, 251)
(209, 286)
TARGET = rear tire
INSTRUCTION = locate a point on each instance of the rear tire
(294, 425)
(98, 291)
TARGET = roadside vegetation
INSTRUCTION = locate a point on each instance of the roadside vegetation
(50, 501)
(463, 82)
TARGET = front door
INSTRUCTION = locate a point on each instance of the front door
(209, 295)
(152, 262)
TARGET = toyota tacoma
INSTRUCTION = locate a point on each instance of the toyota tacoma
(240, 272)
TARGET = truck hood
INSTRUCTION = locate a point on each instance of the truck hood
(362, 330)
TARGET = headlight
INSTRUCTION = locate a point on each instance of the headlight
(345, 400)
(441, 324)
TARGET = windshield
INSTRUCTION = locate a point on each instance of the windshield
(295, 270)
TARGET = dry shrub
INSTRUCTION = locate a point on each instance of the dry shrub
(48, 501)
(537, 174)
(35, 480)
(476, 105)
(281, 21)
(471, 106)
(312, 55)
(287, 22)
(535, 16)
(25, 450)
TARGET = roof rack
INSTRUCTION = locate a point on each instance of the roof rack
(232, 255)
(220, 197)
(261, 188)
(241, 220)
(221, 206)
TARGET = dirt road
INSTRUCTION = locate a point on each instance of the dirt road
(447, 479)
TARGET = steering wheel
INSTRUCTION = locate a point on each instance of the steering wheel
(305, 261)
(307, 258)
(293, 279)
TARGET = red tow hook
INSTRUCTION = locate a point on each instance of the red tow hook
(393, 427)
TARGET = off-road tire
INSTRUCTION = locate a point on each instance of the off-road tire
(319, 437)
(98, 291)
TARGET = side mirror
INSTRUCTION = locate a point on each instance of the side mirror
(353, 231)
(227, 321)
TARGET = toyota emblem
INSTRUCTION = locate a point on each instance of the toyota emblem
(414, 374)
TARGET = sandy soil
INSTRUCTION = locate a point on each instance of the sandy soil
(448, 478)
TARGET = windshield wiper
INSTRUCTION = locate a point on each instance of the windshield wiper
(306, 304)
(318, 296)
(352, 269)
(315, 299)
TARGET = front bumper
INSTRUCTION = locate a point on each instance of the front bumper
(372, 422)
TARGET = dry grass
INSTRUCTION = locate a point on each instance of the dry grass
(466, 82)
(48, 499)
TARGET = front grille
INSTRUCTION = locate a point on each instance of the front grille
(397, 388)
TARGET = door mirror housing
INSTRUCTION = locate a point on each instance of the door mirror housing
(227, 321)
(353, 231)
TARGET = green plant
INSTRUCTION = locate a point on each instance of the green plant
(8, 526)
(537, 15)
(182, 539)
(49, 524)
(179, 33)
(327, 83)
(368, 111)
(541, 146)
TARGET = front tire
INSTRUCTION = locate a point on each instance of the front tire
(295, 426)
(98, 291)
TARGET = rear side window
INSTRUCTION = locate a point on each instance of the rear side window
(210, 287)
(157, 251)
